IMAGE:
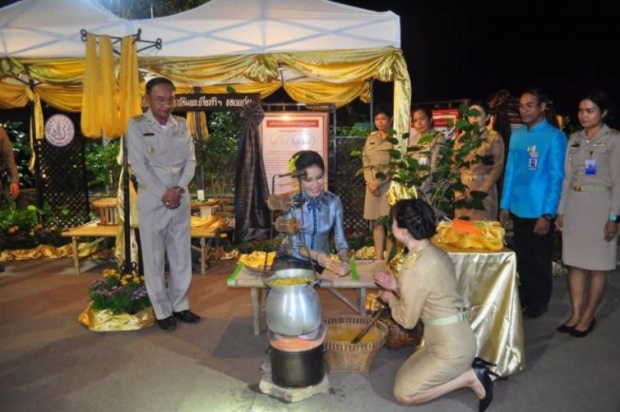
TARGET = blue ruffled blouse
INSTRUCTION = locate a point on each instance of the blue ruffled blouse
(317, 217)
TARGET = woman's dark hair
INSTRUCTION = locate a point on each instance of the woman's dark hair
(416, 216)
(157, 81)
(601, 99)
(384, 108)
(550, 114)
(308, 158)
(425, 109)
(483, 105)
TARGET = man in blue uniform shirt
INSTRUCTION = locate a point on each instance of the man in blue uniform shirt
(531, 193)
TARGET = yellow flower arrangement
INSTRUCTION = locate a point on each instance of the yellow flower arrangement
(119, 293)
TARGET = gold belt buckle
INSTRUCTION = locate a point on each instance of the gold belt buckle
(577, 188)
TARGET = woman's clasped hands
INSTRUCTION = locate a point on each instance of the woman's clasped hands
(387, 282)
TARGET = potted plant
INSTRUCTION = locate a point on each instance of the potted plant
(118, 302)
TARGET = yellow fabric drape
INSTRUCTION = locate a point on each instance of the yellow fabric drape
(45, 251)
(109, 89)
(214, 70)
(129, 92)
(13, 95)
(46, 70)
(91, 102)
(264, 89)
(321, 92)
(67, 98)
(348, 69)
(197, 125)
(106, 321)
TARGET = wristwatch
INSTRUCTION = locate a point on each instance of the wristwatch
(547, 217)
(613, 218)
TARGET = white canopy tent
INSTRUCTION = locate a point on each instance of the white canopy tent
(318, 50)
(221, 27)
(51, 28)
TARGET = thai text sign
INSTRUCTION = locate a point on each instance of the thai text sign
(213, 102)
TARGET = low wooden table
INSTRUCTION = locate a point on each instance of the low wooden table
(245, 278)
(90, 229)
(100, 232)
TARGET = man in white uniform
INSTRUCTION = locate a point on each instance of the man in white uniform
(161, 153)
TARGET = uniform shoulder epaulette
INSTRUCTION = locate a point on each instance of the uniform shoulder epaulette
(139, 118)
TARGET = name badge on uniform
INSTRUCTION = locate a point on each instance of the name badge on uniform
(532, 161)
(590, 166)
(149, 134)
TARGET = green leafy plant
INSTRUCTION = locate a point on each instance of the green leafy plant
(217, 156)
(438, 187)
(26, 228)
(119, 293)
(102, 168)
(268, 245)
(21, 151)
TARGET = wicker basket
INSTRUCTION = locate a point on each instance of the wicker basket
(347, 357)
(399, 337)
(108, 214)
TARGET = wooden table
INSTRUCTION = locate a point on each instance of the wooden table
(487, 281)
(207, 238)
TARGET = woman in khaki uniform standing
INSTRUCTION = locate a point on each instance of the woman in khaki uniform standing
(486, 164)
(427, 289)
(375, 158)
(588, 211)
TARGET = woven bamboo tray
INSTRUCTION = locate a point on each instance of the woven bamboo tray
(347, 357)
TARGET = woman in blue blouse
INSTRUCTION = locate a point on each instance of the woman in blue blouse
(318, 213)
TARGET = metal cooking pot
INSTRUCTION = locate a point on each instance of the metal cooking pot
(293, 310)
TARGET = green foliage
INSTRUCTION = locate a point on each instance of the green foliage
(22, 228)
(102, 168)
(21, 151)
(218, 154)
(438, 187)
(352, 131)
(119, 294)
(268, 245)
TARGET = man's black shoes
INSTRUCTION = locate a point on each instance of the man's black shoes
(186, 316)
(167, 324)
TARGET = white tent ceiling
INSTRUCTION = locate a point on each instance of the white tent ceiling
(51, 28)
(221, 27)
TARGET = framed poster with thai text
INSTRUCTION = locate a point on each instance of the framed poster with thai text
(282, 134)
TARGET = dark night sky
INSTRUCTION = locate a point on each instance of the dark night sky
(463, 49)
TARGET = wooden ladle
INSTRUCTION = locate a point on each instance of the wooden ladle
(366, 329)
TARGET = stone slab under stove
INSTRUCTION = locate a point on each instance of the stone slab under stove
(289, 395)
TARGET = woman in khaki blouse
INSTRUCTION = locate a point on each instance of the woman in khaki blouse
(375, 158)
(426, 289)
(486, 165)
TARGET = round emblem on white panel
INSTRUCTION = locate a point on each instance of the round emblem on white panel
(59, 130)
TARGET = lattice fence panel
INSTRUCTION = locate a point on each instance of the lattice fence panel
(345, 181)
(61, 181)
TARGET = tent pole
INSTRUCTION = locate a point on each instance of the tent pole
(372, 103)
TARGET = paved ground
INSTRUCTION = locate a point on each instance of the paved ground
(49, 362)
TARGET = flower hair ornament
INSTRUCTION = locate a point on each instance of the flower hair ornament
(290, 166)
